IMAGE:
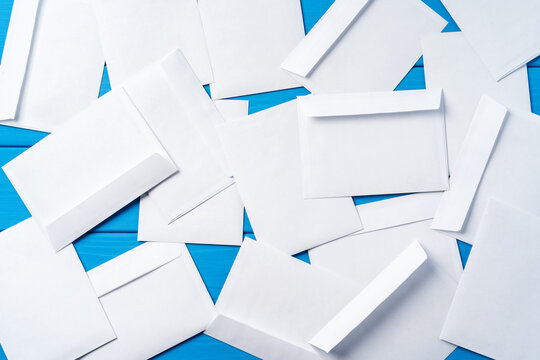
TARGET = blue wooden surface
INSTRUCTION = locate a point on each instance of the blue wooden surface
(118, 234)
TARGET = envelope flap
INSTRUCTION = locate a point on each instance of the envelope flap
(255, 341)
(470, 165)
(133, 265)
(337, 19)
(370, 298)
(327, 105)
(398, 211)
(111, 197)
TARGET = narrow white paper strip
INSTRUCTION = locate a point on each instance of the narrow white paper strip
(321, 38)
(15, 55)
(370, 298)
(470, 166)
(379, 102)
(397, 211)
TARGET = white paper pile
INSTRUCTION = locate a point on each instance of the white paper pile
(385, 280)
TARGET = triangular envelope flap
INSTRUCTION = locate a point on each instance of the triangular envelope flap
(397, 211)
(309, 52)
(328, 105)
(255, 341)
(133, 265)
(100, 205)
(470, 165)
(16, 55)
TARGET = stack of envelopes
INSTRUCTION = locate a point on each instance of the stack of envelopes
(385, 279)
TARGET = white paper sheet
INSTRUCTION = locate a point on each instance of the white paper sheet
(511, 174)
(51, 73)
(183, 117)
(232, 109)
(362, 45)
(400, 210)
(370, 298)
(495, 309)
(48, 307)
(89, 168)
(506, 37)
(15, 55)
(245, 45)
(149, 30)
(450, 63)
(411, 319)
(272, 304)
(154, 298)
(217, 221)
(264, 153)
(373, 143)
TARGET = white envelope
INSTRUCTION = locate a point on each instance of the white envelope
(216, 221)
(154, 298)
(451, 63)
(89, 168)
(272, 304)
(362, 45)
(52, 63)
(499, 158)
(359, 309)
(264, 153)
(412, 318)
(373, 143)
(495, 309)
(245, 45)
(48, 308)
(183, 118)
(506, 37)
(149, 30)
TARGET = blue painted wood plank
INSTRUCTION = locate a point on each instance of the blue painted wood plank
(12, 136)
(463, 354)
(464, 251)
(5, 14)
(534, 88)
